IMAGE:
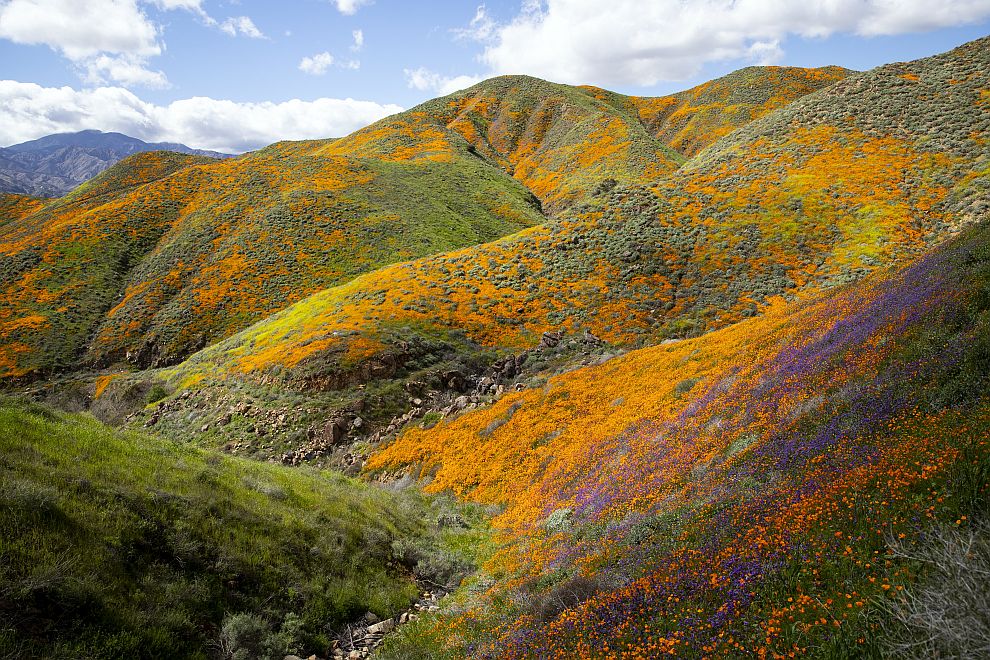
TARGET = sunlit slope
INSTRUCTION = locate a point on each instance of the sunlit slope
(736, 493)
(871, 171)
(157, 258)
(557, 140)
(153, 267)
(691, 120)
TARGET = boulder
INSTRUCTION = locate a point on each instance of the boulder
(551, 339)
(335, 430)
(386, 626)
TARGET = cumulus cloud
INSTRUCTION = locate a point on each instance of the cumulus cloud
(125, 69)
(28, 111)
(80, 29)
(316, 65)
(426, 80)
(642, 43)
(107, 41)
(358, 36)
(241, 25)
(350, 7)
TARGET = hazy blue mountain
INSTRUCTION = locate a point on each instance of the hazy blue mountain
(55, 164)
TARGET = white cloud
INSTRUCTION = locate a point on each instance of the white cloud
(316, 65)
(481, 28)
(194, 6)
(358, 36)
(80, 29)
(425, 80)
(635, 42)
(353, 65)
(350, 7)
(241, 25)
(106, 40)
(124, 69)
(28, 111)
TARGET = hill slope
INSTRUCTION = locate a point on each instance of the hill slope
(815, 194)
(152, 274)
(157, 266)
(763, 489)
(126, 545)
(691, 120)
(55, 164)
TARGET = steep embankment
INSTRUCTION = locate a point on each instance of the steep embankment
(759, 490)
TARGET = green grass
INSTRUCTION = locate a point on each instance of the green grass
(126, 545)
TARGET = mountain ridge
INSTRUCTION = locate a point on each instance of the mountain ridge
(52, 165)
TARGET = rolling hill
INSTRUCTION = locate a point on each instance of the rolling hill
(869, 172)
(703, 375)
(53, 165)
(150, 274)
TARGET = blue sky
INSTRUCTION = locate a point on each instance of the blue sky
(237, 74)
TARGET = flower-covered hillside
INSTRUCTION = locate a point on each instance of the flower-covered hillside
(752, 491)
(691, 120)
(156, 258)
(818, 193)
(163, 253)
(558, 140)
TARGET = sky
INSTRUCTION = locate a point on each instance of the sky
(235, 75)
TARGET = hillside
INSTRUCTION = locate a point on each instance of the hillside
(815, 194)
(763, 490)
(148, 275)
(528, 371)
(691, 120)
(53, 165)
(126, 545)
(151, 263)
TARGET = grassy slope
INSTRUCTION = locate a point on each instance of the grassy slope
(126, 545)
(818, 193)
(738, 493)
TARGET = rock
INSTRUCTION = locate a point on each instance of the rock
(204, 428)
(551, 339)
(461, 402)
(454, 380)
(335, 430)
(417, 402)
(386, 626)
(357, 423)
(370, 618)
(292, 657)
(354, 655)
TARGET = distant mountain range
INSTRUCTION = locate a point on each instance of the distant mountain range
(55, 164)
